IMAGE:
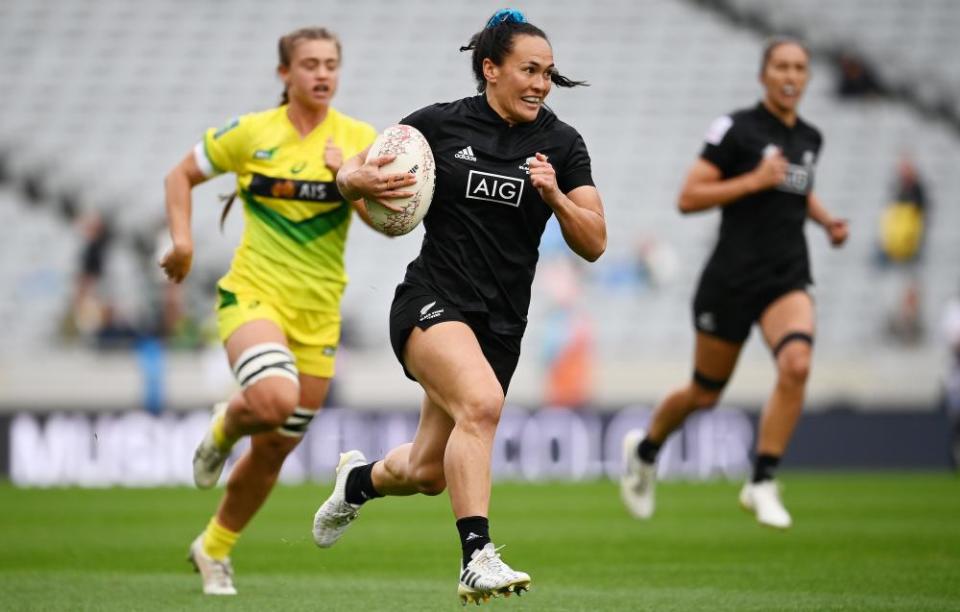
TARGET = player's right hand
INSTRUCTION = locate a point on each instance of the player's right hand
(371, 182)
(176, 263)
(771, 171)
(332, 156)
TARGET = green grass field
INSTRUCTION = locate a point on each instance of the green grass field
(860, 542)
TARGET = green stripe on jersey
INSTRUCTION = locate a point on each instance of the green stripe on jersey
(303, 231)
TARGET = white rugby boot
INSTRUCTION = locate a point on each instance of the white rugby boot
(638, 479)
(208, 459)
(336, 514)
(217, 575)
(488, 576)
(763, 499)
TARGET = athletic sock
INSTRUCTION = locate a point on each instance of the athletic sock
(764, 466)
(218, 541)
(648, 450)
(359, 488)
(220, 437)
(474, 535)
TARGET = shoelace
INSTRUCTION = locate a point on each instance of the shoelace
(208, 452)
(643, 481)
(222, 572)
(343, 514)
(778, 493)
(211, 460)
(638, 479)
(491, 562)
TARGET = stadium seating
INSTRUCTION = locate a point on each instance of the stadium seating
(912, 43)
(37, 276)
(101, 98)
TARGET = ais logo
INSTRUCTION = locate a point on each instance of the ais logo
(494, 188)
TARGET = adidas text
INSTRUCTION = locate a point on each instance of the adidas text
(466, 154)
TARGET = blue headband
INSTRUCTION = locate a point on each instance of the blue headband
(505, 16)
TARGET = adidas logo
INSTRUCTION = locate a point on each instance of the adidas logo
(466, 154)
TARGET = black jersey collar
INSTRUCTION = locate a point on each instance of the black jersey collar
(765, 112)
(494, 116)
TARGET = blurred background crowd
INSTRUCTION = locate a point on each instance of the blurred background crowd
(102, 97)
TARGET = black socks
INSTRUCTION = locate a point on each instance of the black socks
(648, 450)
(474, 534)
(359, 488)
(764, 467)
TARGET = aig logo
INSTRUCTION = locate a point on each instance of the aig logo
(494, 188)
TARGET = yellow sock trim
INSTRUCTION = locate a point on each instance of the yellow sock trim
(218, 541)
(219, 435)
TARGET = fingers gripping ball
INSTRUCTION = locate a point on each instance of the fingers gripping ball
(413, 155)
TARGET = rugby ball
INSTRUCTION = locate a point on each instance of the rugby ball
(414, 156)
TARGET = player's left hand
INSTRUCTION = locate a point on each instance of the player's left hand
(838, 230)
(544, 178)
(332, 156)
(176, 262)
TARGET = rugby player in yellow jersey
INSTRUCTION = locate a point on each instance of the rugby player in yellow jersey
(278, 307)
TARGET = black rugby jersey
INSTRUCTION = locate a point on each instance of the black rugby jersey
(761, 235)
(483, 228)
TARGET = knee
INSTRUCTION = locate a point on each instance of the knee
(703, 391)
(481, 412)
(793, 366)
(429, 479)
(273, 401)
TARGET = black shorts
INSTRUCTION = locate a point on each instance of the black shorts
(729, 314)
(415, 306)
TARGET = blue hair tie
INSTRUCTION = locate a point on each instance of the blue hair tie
(505, 16)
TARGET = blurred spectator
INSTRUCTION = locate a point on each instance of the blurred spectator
(657, 262)
(568, 336)
(89, 308)
(951, 331)
(855, 78)
(902, 223)
(652, 264)
(905, 324)
(94, 316)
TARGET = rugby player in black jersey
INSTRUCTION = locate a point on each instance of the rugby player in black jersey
(757, 166)
(505, 164)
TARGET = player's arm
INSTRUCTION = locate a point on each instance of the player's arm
(361, 178)
(333, 158)
(177, 186)
(579, 212)
(837, 229)
(358, 204)
(705, 187)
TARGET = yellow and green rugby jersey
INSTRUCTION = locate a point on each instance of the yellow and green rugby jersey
(295, 219)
